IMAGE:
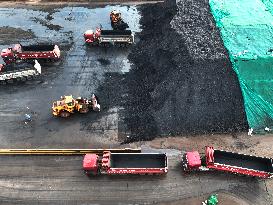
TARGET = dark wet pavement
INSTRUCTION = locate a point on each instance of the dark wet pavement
(168, 91)
(165, 92)
(79, 73)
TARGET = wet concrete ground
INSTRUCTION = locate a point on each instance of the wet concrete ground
(82, 71)
(79, 73)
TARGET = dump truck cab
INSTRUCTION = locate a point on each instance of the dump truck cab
(7, 55)
(91, 164)
(125, 163)
(89, 36)
(92, 37)
(191, 161)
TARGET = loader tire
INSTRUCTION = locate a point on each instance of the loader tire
(23, 79)
(84, 110)
(64, 114)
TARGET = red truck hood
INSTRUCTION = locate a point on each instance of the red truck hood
(90, 162)
(5, 52)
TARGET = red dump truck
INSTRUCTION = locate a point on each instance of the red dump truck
(125, 163)
(107, 38)
(229, 162)
(20, 52)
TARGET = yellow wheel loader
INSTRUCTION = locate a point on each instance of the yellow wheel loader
(68, 105)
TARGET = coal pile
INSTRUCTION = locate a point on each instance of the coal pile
(182, 81)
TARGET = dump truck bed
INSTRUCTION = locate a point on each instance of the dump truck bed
(17, 67)
(243, 161)
(116, 37)
(37, 48)
(138, 160)
(19, 72)
(116, 32)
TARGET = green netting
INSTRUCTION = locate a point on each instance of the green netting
(247, 31)
(213, 200)
(269, 5)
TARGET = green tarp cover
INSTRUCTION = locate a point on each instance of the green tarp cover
(246, 28)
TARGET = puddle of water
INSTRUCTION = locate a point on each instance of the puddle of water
(2, 47)
(126, 66)
(80, 19)
(22, 18)
(80, 68)
(72, 20)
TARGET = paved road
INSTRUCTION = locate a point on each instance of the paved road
(60, 180)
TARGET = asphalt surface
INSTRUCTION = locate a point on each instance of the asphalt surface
(135, 96)
(60, 180)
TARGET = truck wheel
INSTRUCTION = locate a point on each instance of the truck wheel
(107, 45)
(29, 77)
(84, 110)
(94, 44)
(64, 114)
(23, 79)
(10, 81)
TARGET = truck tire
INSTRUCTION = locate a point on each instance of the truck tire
(93, 44)
(29, 77)
(64, 114)
(23, 79)
(10, 81)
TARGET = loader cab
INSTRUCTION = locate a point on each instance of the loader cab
(90, 164)
(115, 16)
(64, 106)
(69, 101)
